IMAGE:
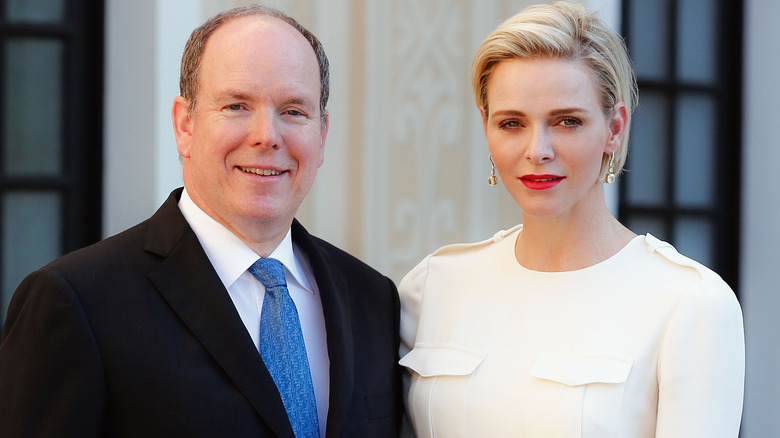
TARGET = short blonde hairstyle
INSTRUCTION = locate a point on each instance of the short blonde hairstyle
(568, 31)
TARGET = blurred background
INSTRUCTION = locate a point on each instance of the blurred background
(87, 147)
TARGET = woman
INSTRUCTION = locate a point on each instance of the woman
(568, 325)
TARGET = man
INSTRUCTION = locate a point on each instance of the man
(162, 330)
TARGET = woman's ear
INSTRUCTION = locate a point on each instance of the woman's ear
(617, 127)
(483, 116)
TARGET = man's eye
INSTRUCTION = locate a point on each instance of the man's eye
(571, 121)
(294, 112)
(234, 107)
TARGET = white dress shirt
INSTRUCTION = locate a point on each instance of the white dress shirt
(231, 258)
(647, 343)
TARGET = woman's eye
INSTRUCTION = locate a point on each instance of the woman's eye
(509, 124)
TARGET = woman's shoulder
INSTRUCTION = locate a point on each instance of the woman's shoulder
(458, 258)
(667, 257)
(456, 250)
(682, 274)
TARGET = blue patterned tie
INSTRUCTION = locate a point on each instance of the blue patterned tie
(283, 350)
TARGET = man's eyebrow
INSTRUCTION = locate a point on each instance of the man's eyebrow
(233, 94)
(296, 101)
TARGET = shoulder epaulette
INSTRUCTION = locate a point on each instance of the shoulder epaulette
(665, 249)
(497, 237)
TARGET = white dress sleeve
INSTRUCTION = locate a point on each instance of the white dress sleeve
(410, 291)
(701, 366)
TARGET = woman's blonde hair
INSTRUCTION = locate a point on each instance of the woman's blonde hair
(568, 31)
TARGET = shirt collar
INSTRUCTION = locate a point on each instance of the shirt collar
(230, 256)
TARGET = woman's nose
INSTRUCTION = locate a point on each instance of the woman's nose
(539, 148)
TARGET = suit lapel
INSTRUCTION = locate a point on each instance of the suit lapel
(338, 324)
(189, 284)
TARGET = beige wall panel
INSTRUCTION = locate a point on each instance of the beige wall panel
(425, 154)
(406, 159)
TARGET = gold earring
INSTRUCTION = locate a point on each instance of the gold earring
(492, 179)
(610, 178)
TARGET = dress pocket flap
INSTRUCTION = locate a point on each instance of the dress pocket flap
(575, 371)
(442, 360)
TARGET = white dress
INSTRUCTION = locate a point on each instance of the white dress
(646, 343)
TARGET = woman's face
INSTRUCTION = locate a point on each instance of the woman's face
(547, 133)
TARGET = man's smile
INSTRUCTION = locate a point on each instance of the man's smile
(263, 172)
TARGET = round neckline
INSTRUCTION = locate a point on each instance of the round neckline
(596, 266)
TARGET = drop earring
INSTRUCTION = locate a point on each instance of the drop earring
(492, 179)
(610, 178)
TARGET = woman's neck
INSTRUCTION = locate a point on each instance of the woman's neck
(570, 243)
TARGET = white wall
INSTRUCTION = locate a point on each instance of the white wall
(144, 43)
(760, 267)
(129, 114)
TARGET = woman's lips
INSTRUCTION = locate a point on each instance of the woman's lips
(541, 182)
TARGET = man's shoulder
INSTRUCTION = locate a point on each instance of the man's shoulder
(130, 244)
(333, 253)
(327, 254)
(104, 253)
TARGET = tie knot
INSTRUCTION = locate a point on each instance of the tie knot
(269, 271)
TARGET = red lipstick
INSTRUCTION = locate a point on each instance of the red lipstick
(541, 182)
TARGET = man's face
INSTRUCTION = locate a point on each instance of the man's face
(252, 147)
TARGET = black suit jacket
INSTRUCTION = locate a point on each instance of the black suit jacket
(136, 336)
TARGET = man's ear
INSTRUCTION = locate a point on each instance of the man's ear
(182, 125)
(323, 136)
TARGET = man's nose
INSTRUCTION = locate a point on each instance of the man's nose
(264, 129)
